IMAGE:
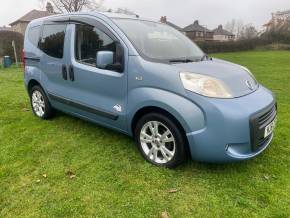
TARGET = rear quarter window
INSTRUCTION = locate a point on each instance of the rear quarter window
(34, 35)
(52, 40)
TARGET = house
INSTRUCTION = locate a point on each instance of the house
(197, 32)
(220, 34)
(21, 24)
(164, 20)
(5, 28)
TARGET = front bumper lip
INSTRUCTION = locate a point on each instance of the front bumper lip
(226, 136)
(236, 152)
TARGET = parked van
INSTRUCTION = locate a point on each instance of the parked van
(149, 81)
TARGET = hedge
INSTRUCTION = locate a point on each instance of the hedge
(245, 45)
(6, 38)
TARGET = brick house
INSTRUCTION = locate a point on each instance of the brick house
(163, 19)
(197, 32)
(220, 34)
(21, 24)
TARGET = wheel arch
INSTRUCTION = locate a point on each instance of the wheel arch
(154, 109)
(32, 83)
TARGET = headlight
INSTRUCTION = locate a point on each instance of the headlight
(204, 85)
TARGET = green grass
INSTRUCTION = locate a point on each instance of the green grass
(112, 179)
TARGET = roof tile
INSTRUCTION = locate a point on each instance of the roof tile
(195, 27)
(34, 14)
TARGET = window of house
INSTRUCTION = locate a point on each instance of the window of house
(52, 41)
(34, 34)
(199, 34)
(89, 41)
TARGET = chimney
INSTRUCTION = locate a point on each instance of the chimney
(220, 27)
(196, 22)
(163, 19)
(49, 8)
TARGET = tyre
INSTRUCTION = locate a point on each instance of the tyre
(39, 103)
(160, 141)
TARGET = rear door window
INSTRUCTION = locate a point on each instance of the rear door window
(52, 41)
(34, 35)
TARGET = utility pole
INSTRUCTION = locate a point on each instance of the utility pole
(15, 54)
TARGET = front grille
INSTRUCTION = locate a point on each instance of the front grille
(263, 141)
(258, 122)
(269, 115)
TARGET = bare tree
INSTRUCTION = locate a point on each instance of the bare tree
(63, 6)
(235, 26)
(239, 28)
(125, 11)
(42, 4)
(231, 26)
(248, 32)
(49, 8)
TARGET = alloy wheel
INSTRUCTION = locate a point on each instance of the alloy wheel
(38, 103)
(157, 142)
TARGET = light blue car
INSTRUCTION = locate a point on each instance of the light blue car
(149, 81)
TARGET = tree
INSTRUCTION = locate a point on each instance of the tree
(49, 8)
(42, 4)
(231, 26)
(248, 32)
(125, 11)
(235, 26)
(63, 6)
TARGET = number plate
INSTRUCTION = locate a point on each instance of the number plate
(270, 128)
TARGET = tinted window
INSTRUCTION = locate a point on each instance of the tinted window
(90, 40)
(33, 35)
(52, 41)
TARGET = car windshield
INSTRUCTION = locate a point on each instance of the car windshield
(159, 42)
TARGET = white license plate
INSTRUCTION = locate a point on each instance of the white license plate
(270, 128)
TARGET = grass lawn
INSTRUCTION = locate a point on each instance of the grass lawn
(67, 167)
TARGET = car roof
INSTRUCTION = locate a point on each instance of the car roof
(104, 15)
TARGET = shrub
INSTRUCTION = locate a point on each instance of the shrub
(232, 46)
(6, 38)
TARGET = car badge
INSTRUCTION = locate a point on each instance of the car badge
(249, 85)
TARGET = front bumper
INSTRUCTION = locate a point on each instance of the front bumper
(234, 127)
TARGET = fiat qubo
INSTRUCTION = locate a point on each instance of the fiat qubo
(149, 81)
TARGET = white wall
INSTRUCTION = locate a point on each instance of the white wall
(221, 38)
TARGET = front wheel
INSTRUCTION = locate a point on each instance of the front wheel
(160, 141)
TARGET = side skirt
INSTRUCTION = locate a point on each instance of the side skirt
(83, 107)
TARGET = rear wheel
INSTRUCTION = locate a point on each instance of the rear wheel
(160, 141)
(39, 103)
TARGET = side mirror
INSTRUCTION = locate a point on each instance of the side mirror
(104, 59)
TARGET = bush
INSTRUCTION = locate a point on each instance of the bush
(274, 46)
(281, 37)
(6, 38)
(232, 46)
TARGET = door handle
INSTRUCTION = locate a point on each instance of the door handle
(71, 73)
(64, 72)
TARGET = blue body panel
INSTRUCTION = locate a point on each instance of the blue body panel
(218, 130)
(226, 136)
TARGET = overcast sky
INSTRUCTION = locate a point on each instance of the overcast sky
(182, 12)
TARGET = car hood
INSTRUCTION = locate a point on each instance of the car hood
(234, 77)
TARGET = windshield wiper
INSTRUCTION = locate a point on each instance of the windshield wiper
(205, 57)
(181, 60)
